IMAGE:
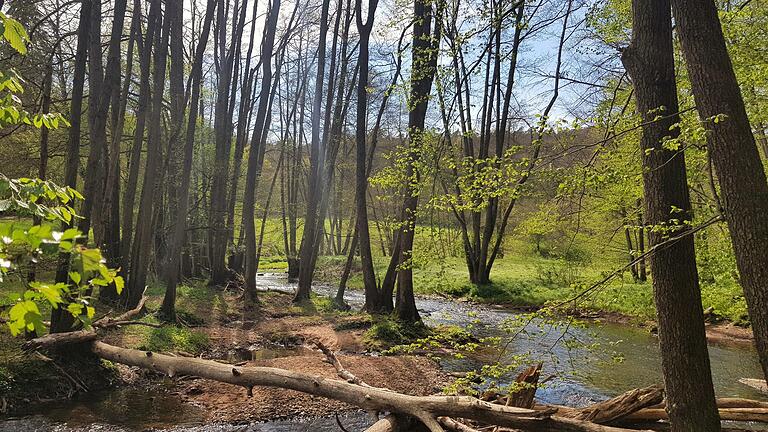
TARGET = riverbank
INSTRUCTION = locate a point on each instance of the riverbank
(527, 283)
(612, 358)
(212, 326)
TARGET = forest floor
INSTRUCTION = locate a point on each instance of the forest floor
(212, 326)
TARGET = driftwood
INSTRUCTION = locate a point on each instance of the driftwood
(52, 340)
(424, 408)
(757, 384)
(734, 414)
(621, 406)
(528, 381)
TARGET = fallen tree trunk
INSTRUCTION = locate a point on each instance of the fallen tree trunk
(621, 406)
(757, 384)
(390, 423)
(733, 414)
(424, 408)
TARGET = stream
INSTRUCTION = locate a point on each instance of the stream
(591, 362)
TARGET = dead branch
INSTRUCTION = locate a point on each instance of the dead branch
(455, 426)
(109, 322)
(340, 370)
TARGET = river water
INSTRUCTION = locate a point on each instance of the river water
(589, 362)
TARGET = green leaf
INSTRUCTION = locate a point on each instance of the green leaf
(75, 277)
(119, 284)
(25, 315)
(16, 35)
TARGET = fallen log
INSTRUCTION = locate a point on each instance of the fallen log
(424, 408)
(732, 414)
(342, 372)
(390, 423)
(52, 340)
(757, 384)
(57, 339)
(622, 405)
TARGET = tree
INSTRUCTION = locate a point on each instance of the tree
(142, 243)
(311, 235)
(180, 226)
(254, 159)
(59, 321)
(734, 154)
(649, 60)
(424, 63)
(373, 300)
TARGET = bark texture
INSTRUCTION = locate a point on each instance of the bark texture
(649, 60)
(734, 153)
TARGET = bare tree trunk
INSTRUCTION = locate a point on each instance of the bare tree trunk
(311, 233)
(168, 307)
(100, 92)
(111, 205)
(62, 320)
(254, 162)
(649, 61)
(142, 109)
(226, 70)
(142, 244)
(373, 297)
(733, 151)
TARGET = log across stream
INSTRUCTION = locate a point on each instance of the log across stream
(583, 379)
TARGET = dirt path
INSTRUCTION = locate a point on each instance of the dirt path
(282, 335)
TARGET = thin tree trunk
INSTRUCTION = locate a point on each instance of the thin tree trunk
(168, 307)
(373, 296)
(311, 233)
(254, 162)
(145, 223)
(62, 320)
(142, 109)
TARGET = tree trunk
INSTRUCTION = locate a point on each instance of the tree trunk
(178, 236)
(142, 243)
(310, 237)
(62, 320)
(424, 59)
(734, 154)
(649, 61)
(254, 159)
(362, 233)
(142, 109)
